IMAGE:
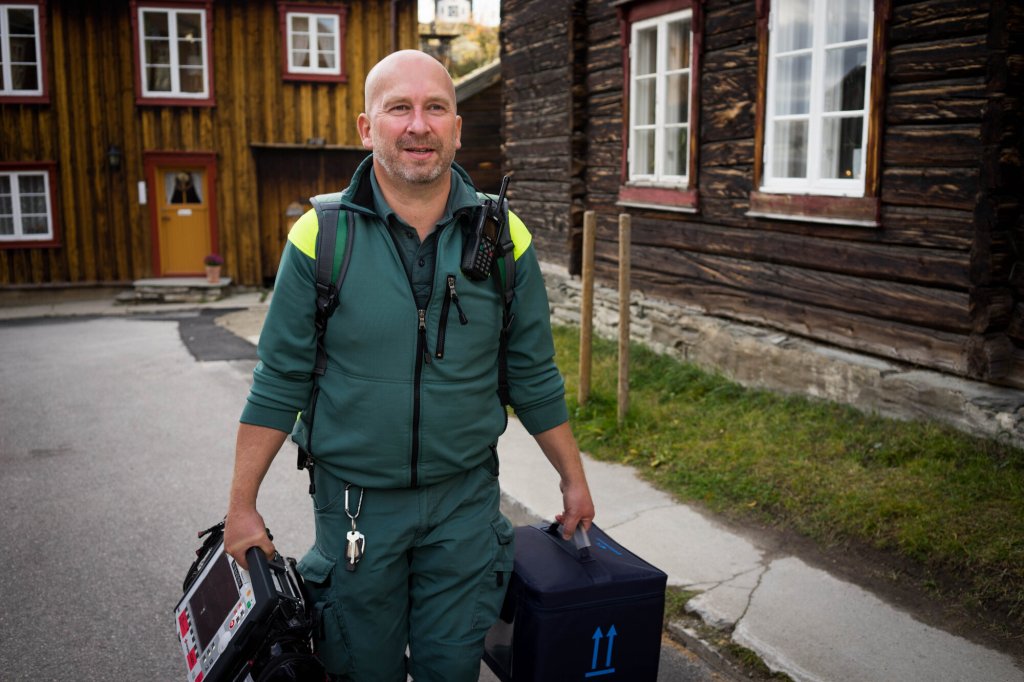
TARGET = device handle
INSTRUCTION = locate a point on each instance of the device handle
(580, 539)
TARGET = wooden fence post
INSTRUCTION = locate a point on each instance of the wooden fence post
(624, 294)
(586, 306)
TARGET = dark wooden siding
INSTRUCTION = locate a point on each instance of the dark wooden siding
(105, 233)
(480, 154)
(938, 284)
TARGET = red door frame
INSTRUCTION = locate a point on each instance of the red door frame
(151, 161)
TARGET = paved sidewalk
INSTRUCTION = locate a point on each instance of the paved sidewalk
(799, 619)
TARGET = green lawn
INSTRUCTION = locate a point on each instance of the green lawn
(950, 502)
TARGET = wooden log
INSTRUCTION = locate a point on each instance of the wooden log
(925, 306)
(942, 59)
(932, 145)
(954, 188)
(938, 19)
(990, 309)
(1015, 327)
(989, 356)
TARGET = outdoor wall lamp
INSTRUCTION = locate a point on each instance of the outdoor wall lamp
(114, 157)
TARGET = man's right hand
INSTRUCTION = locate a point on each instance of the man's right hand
(244, 529)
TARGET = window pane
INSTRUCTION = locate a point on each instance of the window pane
(794, 25)
(325, 25)
(6, 225)
(158, 78)
(847, 20)
(3, 83)
(789, 152)
(190, 52)
(300, 41)
(325, 43)
(679, 45)
(644, 152)
(300, 23)
(158, 52)
(33, 205)
(190, 26)
(34, 225)
(154, 24)
(646, 51)
(300, 58)
(678, 96)
(23, 50)
(793, 85)
(675, 150)
(191, 79)
(5, 185)
(644, 114)
(325, 60)
(24, 77)
(21, 22)
(845, 71)
(31, 184)
(6, 205)
(843, 148)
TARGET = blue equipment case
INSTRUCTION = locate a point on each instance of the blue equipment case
(574, 612)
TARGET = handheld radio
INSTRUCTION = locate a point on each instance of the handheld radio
(481, 245)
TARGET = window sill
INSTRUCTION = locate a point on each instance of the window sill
(6, 244)
(14, 98)
(832, 210)
(144, 101)
(659, 198)
(289, 76)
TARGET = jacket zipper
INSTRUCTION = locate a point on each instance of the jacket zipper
(450, 297)
(421, 350)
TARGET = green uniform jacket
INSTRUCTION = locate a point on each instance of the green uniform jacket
(409, 397)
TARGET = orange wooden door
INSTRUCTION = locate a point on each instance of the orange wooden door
(183, 215)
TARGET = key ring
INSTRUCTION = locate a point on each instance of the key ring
(359, 505)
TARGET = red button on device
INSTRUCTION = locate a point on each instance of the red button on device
(192, 658)
(183, 622)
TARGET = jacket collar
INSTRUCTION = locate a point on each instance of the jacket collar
(358, 196)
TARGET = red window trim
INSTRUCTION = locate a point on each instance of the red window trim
(44, 98)
(141, 100)
(340, 11)
(687, 198)
(150, 162)
(859, 211)
(51, 170)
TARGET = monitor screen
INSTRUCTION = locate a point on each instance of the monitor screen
(213, 601)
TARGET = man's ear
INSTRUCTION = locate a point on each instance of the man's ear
(363, 127)
(458, 132)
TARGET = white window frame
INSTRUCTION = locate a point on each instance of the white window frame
(16, 213)
(8, 90)
(314, 43)
(175, 65)
(660, 178)
(814, 183)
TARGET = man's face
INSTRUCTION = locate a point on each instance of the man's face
(411, 125)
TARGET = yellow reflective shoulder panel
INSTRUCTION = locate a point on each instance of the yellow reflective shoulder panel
(521, 236)
(303, 233)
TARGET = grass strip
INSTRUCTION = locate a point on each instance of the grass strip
(931, 494)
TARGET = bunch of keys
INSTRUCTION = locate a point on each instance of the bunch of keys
(356, 540)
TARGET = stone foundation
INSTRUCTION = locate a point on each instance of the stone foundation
(759, 357)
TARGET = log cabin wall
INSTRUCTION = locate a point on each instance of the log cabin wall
(937, 283)
(104, 233)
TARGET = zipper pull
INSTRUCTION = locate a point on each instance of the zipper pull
(455, 299)
(422, 314)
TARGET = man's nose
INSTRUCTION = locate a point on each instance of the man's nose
(418, 122)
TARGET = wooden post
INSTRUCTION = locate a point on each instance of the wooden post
(586, 306)
(624, 239)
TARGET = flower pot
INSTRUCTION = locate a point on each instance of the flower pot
(213, 274)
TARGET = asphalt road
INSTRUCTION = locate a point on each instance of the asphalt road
(116, 445)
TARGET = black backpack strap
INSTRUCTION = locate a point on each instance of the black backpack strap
(334, 239)
(505, 276)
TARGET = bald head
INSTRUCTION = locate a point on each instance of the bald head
(398, 64)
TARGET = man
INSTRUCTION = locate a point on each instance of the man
(407, 417)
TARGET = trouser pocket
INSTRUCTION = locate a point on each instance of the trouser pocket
(494, 581)
(330, 638)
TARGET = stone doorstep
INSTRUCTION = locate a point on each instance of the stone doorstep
(175, 290)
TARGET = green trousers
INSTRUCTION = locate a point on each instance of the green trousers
(432, 578)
